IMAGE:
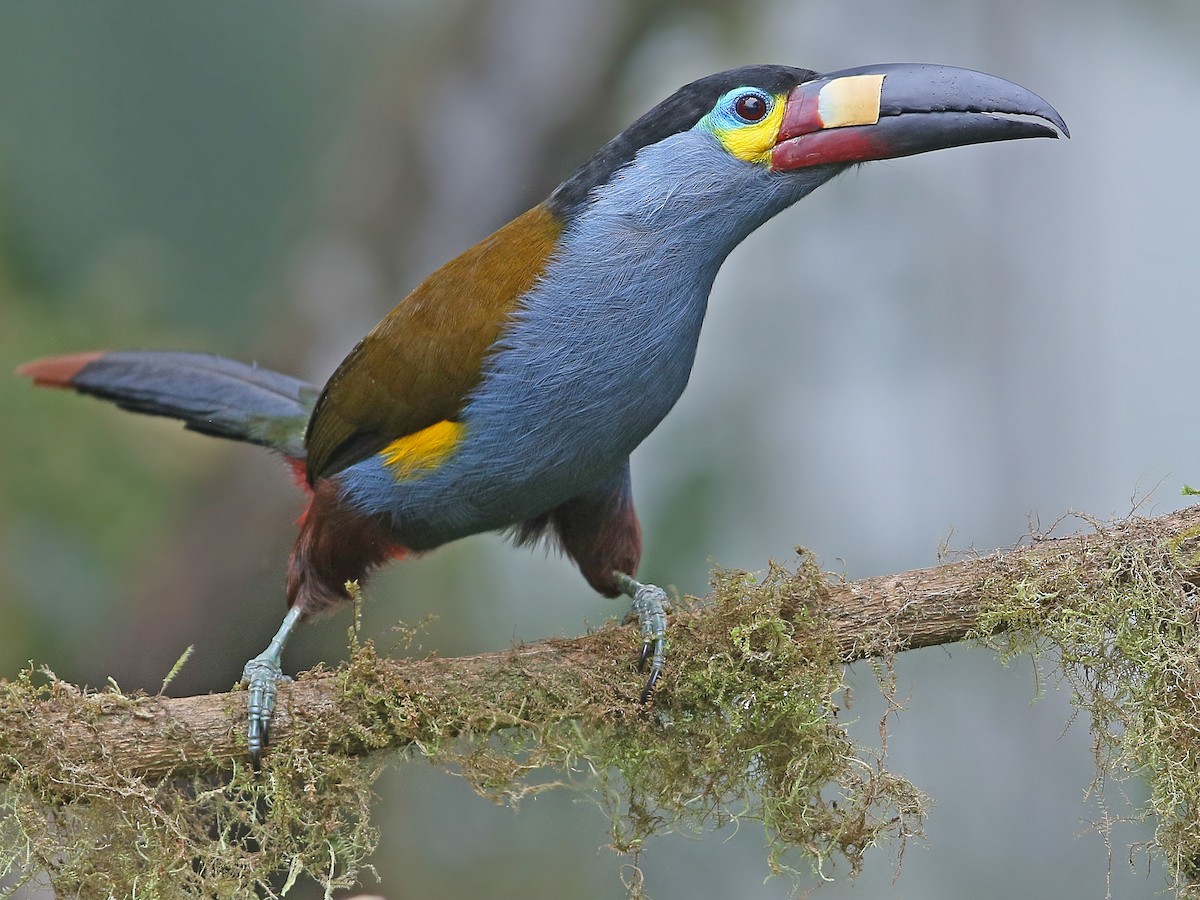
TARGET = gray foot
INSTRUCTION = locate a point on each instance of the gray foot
(261, 675)
(650, 612)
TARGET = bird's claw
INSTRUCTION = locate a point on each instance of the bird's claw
(644, 656)
(262, 676)
(649, 610)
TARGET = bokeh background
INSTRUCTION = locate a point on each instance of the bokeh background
(940, 350)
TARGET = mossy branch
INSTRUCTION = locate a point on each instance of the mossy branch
(548, 681)
(745, 717)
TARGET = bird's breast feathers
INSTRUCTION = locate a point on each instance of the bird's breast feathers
(599, 348)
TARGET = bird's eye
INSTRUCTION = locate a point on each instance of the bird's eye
(750, 107)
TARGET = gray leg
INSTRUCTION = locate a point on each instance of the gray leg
(649, 609)
(262, 674)
(599, 530)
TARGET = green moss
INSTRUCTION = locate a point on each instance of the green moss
(745, 725)
(1122, 627)
(97, 832)
(750, 729)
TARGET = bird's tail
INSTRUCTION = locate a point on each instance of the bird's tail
(211, 394)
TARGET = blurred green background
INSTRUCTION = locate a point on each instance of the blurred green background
(939, 349)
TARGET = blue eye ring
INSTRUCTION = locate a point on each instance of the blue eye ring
(751, 106)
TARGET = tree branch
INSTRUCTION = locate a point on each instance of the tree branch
(437, 698)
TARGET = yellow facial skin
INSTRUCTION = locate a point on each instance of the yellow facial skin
(751, 142)
(852, 100)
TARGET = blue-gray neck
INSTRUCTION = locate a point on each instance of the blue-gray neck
(602, 346)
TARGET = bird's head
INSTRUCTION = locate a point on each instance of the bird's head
(781, 121)
(874, 112)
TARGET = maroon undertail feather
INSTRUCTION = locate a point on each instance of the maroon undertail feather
(299, 469)
(336, 544)
(600, 537)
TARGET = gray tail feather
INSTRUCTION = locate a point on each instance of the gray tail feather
(211, 394)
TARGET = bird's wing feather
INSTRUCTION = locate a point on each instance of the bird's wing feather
(417, 367)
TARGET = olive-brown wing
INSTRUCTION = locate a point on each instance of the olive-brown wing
(418, 365)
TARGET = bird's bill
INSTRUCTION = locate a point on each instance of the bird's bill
(899, 109)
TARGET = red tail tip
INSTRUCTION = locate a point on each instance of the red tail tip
(57, 371)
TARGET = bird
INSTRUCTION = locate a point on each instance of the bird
(507, 391)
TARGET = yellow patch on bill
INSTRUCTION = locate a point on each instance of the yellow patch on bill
(853, 100)
(415, 454)
(753, 143)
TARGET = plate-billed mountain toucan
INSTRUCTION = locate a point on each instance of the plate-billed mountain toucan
(507, 391)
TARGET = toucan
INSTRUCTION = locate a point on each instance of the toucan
(507, 391)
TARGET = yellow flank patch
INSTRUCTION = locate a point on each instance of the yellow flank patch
(853, 100)
(753, 143)
(415, 454)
